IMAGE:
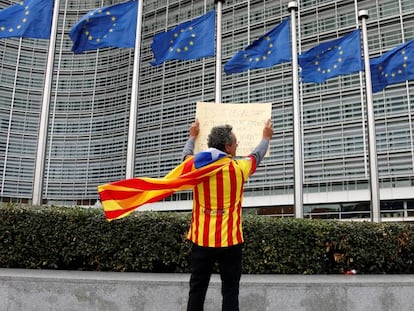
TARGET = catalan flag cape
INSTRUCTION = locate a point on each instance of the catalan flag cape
(123, 197)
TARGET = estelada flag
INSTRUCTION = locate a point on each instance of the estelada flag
(123, 197)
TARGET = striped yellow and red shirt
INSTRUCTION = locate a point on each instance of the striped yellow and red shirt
(218, 193)
(217, 204)
(123, 197)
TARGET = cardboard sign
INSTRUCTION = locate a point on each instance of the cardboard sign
(247, 121)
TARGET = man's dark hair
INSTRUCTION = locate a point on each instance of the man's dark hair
(219, 137)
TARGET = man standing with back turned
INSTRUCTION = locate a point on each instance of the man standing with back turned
(216, 225)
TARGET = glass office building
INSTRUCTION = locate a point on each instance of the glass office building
(91, 95)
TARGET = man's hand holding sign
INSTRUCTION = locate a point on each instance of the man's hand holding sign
(246, 119)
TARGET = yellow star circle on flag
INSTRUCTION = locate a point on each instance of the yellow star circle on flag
(23, 20)
(334, 65)
(399, 70)
(263, 57)
(97, 38)
(176, 35)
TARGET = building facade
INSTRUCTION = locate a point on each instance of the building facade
(91, 95)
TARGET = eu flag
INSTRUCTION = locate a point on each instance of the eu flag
(394, 66)
(27, 19)
(270, 49)
(190, 40)
(110, 26)
(341, 56)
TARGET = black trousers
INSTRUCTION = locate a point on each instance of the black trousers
(229, 261)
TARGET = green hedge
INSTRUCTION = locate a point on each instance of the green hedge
(81, 239)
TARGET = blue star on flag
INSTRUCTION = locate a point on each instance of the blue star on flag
(394, 66)
(331, 59)
(110, 26)
(27, 19)
(190, 40)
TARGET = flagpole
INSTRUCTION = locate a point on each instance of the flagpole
(374, 187)
(297, 129)
(361, 94)
(44, 113)
(218, 52)
(133, 110)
